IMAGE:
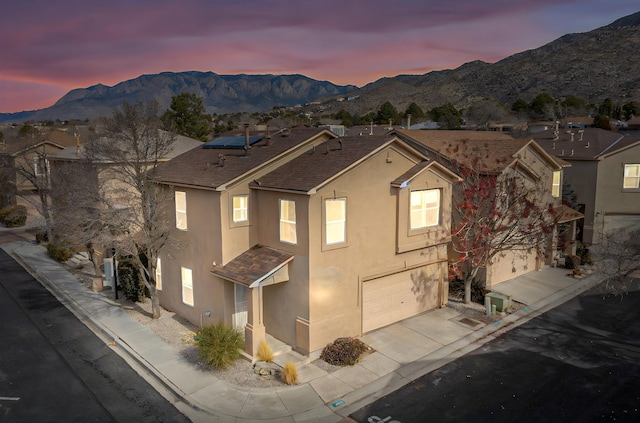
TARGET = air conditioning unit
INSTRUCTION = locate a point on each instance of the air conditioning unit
(501, 301)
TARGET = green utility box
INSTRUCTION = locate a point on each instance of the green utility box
(501, 301)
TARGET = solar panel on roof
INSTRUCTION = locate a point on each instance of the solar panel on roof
(232, 142)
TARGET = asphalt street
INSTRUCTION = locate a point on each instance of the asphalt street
(579, 362)
(54, 369)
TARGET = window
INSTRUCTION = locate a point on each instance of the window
(187, 286)
(335, 212)
(288, 221)
(425, 208)
(159, 274)
(631, 176)
(181, 210)
(240, 209)
(555, 186)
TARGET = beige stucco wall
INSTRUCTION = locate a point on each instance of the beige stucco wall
(374, 220)
(615, 207)
(197, 249)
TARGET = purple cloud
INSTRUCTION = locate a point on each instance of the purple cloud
(51, 47)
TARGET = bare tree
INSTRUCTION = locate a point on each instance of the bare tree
(496, 212)
(122, 207)
(26, 173)
(619, 256)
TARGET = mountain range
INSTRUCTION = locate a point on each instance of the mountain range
(599, 64)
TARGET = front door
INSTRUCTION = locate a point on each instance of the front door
(240, 314)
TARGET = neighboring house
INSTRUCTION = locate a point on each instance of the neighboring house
(502, 154)
(604, 173)
(31, 157)
(305, 236)
(76, 179)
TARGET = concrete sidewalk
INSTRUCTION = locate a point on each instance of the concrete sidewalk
(403, 351)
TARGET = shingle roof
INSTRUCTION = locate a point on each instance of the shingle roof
(317, 166)
(56, 138)
(565, 213)
(213, 168)
(181, 145)
(587, 144)
(253, 266)
(495, 149)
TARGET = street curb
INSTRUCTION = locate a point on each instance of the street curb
(352, 400)
(104, 333)
(449, 353)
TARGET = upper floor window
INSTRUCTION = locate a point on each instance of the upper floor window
(288, 221)
(424, 208)
(181, 210)
(240, 208)
(187, 286)
(555, 186)
(631, 176)
(335, 210)
(40, 166)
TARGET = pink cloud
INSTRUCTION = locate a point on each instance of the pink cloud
(50, 47)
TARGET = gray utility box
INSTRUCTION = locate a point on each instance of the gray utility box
(501, 301)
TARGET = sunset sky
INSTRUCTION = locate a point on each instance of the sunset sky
(48, 47)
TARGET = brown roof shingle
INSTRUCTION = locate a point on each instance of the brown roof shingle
(254, 265)
(202, 167)
(316, 166)
(584, 144)
(496, 150)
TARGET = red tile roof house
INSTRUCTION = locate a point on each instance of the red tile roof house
(604, 174)
(501, 154)
(306, 237)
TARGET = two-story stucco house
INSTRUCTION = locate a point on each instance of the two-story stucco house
(306, 236)
(604, 174)
(501, 154)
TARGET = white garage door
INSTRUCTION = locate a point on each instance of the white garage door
(509, 266)
(621, 226)
(395, 297)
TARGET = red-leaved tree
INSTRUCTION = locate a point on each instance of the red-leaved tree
(499, 207)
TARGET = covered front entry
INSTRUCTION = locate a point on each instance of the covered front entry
(397, 296)
(250, 272)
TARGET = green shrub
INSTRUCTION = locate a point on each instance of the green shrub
(478, 291)
(41, 237)
(13, 217)
(129, 280)
(219, 345)
(60, 250)
(344, 351)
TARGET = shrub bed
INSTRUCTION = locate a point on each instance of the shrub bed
(219, 345)
(13, 217)
(60, 250)
(129, 280)
(344, 351)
